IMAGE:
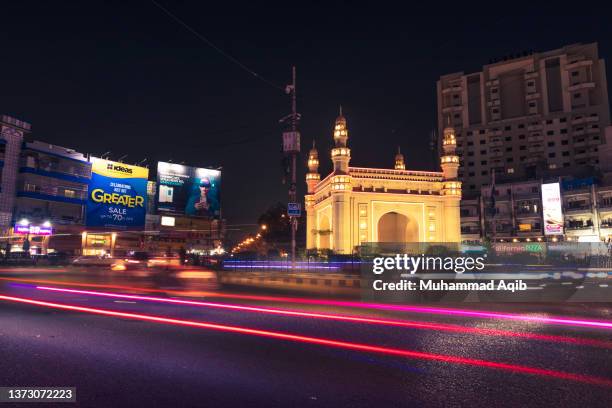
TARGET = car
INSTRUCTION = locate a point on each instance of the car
(134, 260)
(58, 258)
(19, 258)
(93, 260)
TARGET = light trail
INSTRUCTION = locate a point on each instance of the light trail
(327, 342)
(553, 320)
(345, 318)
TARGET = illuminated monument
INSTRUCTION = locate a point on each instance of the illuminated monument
(355, 205)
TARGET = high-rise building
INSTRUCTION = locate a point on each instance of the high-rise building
(526, 116)
(12, 132)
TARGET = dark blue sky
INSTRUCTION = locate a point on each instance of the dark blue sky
(103, 75)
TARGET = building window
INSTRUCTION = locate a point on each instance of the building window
(483, 152)
(522, 137)
(510, 170)
(508, 149)
(562, 120)
(470, 143)
(577, 95)
(483, 142)
(484, 173)
(509, 160)
(551, 155)
(550, 132)
(508, 138)
(483, 163)
(522, 147)
(551, 144)
(521, 126)
(565, 154)
(575, 73)
(508, 128)
(563, 131)
(565, 142)
(549, 122)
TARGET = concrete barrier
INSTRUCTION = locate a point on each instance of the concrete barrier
(303, 282)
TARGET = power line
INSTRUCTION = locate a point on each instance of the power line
(213, 46)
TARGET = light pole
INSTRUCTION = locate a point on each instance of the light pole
(291, 147)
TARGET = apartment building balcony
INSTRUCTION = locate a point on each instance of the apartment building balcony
(496, 154)
(532, 96)
(578, 64)
(532, 233)
(582, 85)
(581, 143)
(526, 196)
(593, 142)
(583, 155)
(585, 209)
(451, 89)
(539, 138)
(534, 127)
(536, 149)
(453, 108)
(527, 215)
(591, 118)
(470, 218)
(604, 207)
(581, 228)
(532, 75)
(535, 158)
(496, 143)
(592, 130)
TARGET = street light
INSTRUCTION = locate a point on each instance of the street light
(47, 223)
(264, 227)
(24, 221)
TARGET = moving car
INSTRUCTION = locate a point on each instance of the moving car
(93, 260)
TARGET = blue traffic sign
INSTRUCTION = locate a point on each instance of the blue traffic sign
(294, 209)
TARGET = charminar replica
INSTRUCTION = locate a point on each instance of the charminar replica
(357, 205)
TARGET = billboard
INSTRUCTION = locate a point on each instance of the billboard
(186, 190)
(551, 207)
(117, 195)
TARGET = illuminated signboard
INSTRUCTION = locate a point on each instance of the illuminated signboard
(32, 230)
(551, 207)
(117, 195)
(186, 190)
(168, 221)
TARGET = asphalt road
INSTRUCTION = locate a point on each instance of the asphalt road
(118, 361)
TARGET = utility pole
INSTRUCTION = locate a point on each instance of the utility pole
(291, 147)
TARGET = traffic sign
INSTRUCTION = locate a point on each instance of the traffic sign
(294, 209)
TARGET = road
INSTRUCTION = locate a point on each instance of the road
(141, 347)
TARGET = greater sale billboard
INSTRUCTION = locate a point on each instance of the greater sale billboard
(117, 195)
(551, 207)
(186, 190)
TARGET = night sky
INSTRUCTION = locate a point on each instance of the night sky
(100, 75)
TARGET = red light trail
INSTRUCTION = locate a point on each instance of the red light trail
(346, 318)
(556, 320)
(327, 342)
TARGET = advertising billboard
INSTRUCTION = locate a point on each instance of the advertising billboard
(117, 195)
(186, 190)
(551, 207)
